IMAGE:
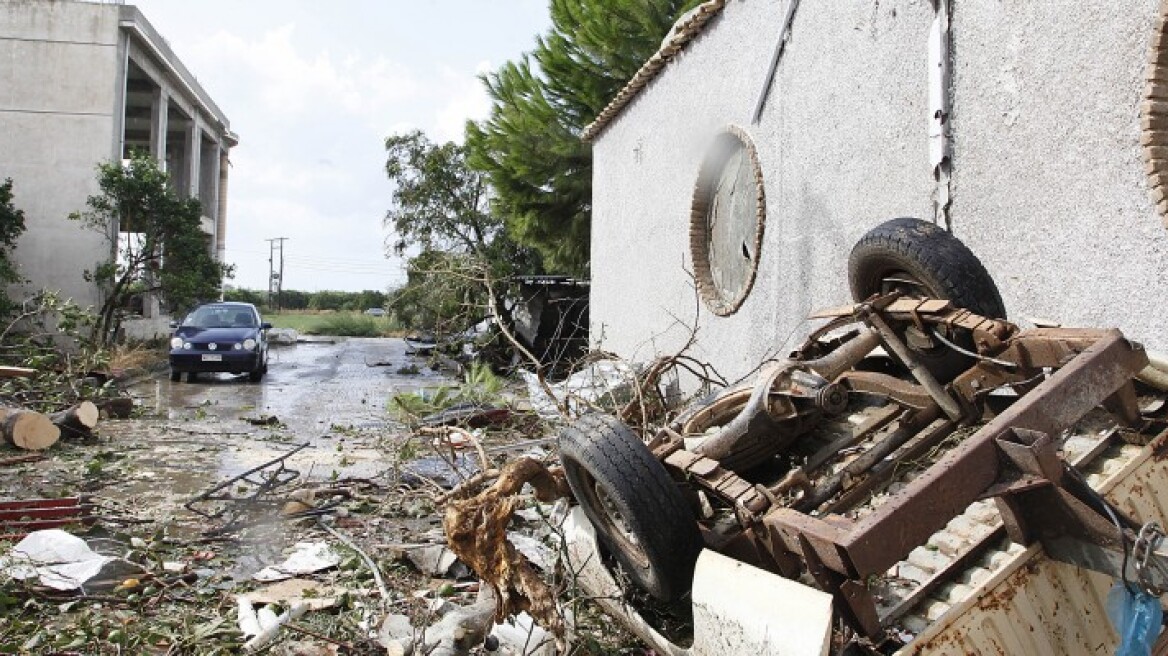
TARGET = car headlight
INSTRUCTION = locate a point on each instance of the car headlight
(176, 342)
(249, 344)
(187, 345)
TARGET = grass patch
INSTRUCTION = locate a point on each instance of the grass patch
(139, 355)
(340, 324)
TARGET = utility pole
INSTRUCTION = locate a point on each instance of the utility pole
(274, 278)
(280, 282)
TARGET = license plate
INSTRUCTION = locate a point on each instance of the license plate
(212, 358)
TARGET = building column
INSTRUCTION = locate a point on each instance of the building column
(159, 111)
(194, 158)
(221, 208)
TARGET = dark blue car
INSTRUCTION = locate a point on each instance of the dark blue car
(228, 337)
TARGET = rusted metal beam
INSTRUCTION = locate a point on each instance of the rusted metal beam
(959, 477)
(909, 517)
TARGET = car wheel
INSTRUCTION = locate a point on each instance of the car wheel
(175, 376)
(191, 376)
(920, 259)
(637, 509)
(255, 376)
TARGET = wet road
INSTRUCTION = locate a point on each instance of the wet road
(311, 387)
(330, 393)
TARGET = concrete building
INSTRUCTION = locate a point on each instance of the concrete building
(83, 83)
(1026, 128)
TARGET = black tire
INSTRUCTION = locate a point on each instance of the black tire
(639, 513)
(175, 376)
(939, 264)
(255, 376)
(921, 259)
(191, 376)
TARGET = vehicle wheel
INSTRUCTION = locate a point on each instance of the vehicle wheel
(921, 259)
(175, 376)
(255, 376)
(191, 376)
(639, 513)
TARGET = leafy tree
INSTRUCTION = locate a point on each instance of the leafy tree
(441, 207)
(11, 227)
(157, 240)
(442, 293)
(256, 298)
(530, 146)
(439, 203)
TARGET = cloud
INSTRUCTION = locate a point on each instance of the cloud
(467, 98)
(287, 84)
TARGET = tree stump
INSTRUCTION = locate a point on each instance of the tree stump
(78, 421)
(28, 430)
(121, 407)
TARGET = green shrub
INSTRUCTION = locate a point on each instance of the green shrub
(349, 325)
(480, 385)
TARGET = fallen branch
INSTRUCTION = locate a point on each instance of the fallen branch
(476, 531)
(369, 562)
(469, 486)
(19, 460)
(17, 372)
(78, 421)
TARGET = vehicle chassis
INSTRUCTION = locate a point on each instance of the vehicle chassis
(1059, 375)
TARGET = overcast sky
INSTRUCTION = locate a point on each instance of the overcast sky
(312, 89)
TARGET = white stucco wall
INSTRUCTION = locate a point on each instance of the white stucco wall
(841, 146)
(1048, 184)
(58, 69)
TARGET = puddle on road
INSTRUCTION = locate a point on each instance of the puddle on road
(195, 435)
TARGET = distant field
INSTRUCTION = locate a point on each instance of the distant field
(333, 323)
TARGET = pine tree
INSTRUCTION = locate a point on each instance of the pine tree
(530, 146)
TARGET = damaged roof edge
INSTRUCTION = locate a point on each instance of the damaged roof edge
(683, 33)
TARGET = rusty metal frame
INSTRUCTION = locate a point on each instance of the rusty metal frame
(1011, 457)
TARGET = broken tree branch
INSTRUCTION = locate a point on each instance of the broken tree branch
(476, 531)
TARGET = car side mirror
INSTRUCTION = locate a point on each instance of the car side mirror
(265, 326)
(173, 325)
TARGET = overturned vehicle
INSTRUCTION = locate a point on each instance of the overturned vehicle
(920, 476)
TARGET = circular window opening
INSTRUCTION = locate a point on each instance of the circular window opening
(726, 222)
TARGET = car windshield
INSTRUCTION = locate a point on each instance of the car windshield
(220, 316)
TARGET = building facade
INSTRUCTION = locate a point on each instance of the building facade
(1031, 130)
(85, 83)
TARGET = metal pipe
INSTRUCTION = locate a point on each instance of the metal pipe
(951, 408)
(867, 460)
(1156, 373)
(845, 357)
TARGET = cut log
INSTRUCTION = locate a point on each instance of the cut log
(26, 429)
(78, 421)
(117, 408)
(16, 372)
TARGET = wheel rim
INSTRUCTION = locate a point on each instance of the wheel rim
(905, 283)
(614, 523)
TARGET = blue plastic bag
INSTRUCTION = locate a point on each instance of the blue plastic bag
(1136, 617)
